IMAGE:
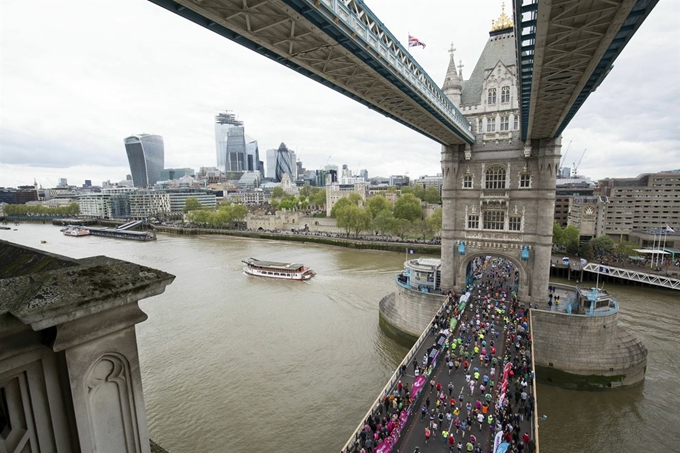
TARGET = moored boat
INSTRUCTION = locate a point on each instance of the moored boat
(272, 269)
(75, 231)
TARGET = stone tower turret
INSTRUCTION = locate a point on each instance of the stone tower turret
(452, 83)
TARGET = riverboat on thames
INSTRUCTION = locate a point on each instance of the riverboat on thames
(271, 269)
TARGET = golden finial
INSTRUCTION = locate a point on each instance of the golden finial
(502, 22)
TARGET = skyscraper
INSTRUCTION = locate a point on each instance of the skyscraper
(284, 162)
(235, 151)
(146, 155)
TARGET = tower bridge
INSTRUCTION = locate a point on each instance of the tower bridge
(500, 129)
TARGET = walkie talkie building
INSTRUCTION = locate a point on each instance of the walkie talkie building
(146, 155)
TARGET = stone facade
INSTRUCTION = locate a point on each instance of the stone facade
(586, 352)
(407, 313)
(498, 196)
(69, 367)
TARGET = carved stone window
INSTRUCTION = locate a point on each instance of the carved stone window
(491, 124)
(494, 220)
(505, 123)
(480, 125)
(515, 223)
(505, 94)
(525, 181)
(516, 125)
(492, 96)
(495, 178)
(467, 182)
(473, 222)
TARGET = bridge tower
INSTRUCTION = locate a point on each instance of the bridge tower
(499, 193)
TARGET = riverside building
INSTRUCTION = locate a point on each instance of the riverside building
(146, 155)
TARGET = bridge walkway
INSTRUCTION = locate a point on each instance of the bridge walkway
(426, 368)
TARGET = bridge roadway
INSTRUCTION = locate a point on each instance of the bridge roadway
(412, 432)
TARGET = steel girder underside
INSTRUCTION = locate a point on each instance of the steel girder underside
(285, 34)
(565, 49)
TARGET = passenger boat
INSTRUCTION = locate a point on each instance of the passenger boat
(75, 231)
(271, 269)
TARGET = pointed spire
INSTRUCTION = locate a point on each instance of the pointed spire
(460, 69)
(502, 22)
(452, 83)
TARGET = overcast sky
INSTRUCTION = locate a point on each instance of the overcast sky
(78, 76)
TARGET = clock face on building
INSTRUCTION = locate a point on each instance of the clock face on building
(590, 210)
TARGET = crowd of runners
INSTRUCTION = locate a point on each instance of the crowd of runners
(488, 344)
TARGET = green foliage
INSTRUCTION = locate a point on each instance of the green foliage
(602, 245)
(423, 228)
(435, 220)
(191, 204)
(400, 227)
(624, 249)
(224, 216)
(70, 210)
(384, 221)
(377, 204)
(431, 195)
(277, 192)
(408, 207)
(353, 218)
(318, 197)
(557, 234)
(570, 239)
(352, 199)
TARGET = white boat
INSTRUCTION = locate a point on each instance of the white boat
(272, 269)
(76, 231)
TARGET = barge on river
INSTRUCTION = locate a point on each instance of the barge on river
(272, 269)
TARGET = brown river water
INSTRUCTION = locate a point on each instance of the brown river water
(232, 363)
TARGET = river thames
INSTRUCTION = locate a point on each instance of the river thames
(232, 363)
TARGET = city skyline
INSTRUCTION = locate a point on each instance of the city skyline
(70, 95)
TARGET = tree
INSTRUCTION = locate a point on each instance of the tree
(353, 199)
(383, 221)
(191, 204)
(435, 220)
(318, 198)
(377, 204)
(400, 227)
(431, 195)
(570, 239)
(624, 249)
(558, 234)
(408, 207)
(602, 245)
(277, 192)
(423, 228)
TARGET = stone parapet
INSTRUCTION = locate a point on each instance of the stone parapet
(69, 367)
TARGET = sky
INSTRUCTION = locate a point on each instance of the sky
(78, 76)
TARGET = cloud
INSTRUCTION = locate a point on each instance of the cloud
(81, 76)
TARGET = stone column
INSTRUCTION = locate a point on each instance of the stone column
(449, 166)
(548, 162)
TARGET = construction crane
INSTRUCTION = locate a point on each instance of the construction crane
(576, 165)
(565, 155)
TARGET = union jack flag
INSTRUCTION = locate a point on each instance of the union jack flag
(415, 42)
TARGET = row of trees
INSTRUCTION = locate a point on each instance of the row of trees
(223, 216)
(308, 196)
(70, 210)
(598, 247)
(377, 214)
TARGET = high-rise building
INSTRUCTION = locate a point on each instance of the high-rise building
(235, 151)
(284, 162)
(146, 155)
(271, 163)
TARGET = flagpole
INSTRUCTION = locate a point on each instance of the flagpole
(651, 264)
(665, 231)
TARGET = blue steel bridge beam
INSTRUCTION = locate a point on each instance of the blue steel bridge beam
(341, 45)
(565, 48)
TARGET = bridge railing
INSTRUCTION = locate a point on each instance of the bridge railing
(349, 447)
(361, 23)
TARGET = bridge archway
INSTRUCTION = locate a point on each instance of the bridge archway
(465, 271)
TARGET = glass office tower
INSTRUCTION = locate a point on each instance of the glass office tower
(284, 163)
(146, 156)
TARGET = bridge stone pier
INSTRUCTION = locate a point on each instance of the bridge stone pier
(498, 199)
